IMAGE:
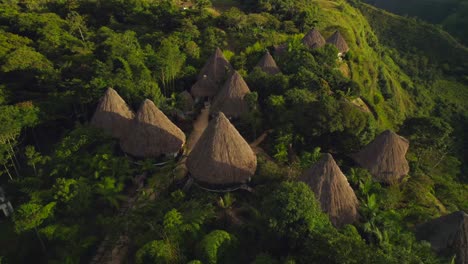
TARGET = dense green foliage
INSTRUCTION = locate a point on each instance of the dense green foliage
(72, 187)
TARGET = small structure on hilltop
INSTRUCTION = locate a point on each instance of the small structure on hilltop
(339, 42)
(152, 134)
(385, 158)
(448, 235)
(221, 156)
(333, 191)
(230, 99)
(314, 39)
(268, 64)
(185, 101)
(216, 67)
(112, 114)
(204, 87)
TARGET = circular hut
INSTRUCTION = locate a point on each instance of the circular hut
(216, 67)
(152, 134)
(332, 189)
(339, 42)
(385, 158)
(313, 39)
(221, 156)
(448, 235)
(230, 100)
(204, 87)
(112, 114)
(268, 64)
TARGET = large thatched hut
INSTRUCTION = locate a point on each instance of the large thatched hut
(339, 42)
(221, 156)
(385, 158)
(204, 87)
(112, 114)
(313, 39)
(152, 134)
(448, 235)
(216, 67)
(333, 191)
(268, 64)
(230, 99)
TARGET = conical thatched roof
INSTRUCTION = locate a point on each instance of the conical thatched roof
(314, 39)
(185, 101)
(221, 156)
(268, 64)
(338, 40)
(152, 134)
(216, 67)
(112, 114)
(204, 87)
(385, 157)
(448, 235)
(332, 189)
(230, 99)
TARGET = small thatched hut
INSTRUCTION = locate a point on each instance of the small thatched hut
(268, 64)
(385, 158)
(216, 67)
(204, 87)
(185, 101)
(314, 39)
(448, 235)
(332, 189)
(230, 99)
(112, 114)
(221, 156)
(152, 134)
(340, 43)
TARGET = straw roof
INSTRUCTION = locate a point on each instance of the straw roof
(230, 99)
(385, 157)
(152, 134)
(204, 87)
(332, 189)
(185, 101)
(216, 67)
(338, 40)
(112, 114)
(221, 156)
(268, 64)
(314, 39)
(448, 235)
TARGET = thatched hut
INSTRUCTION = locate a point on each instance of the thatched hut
(185, 101)
(112, 114)
(313, 39)
(230, 99)
(204, 87)
(333, 191)
(448, 235)
(268, 64)
(385, 158)
(152, 134)
(216, 67)
(339, 42)
(221, 156)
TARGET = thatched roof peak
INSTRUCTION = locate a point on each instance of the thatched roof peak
(338, 40)
(385, 158)
(152, 134)
(216, 67)
(112, 114)
(230, 99)
(332, 189)
(221, 156)
(268, 64)
(313, 39)
(447, 234)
